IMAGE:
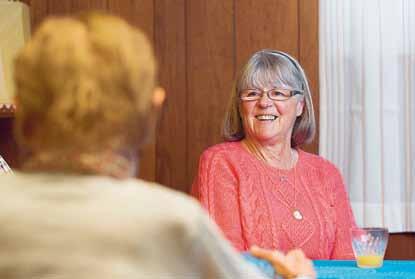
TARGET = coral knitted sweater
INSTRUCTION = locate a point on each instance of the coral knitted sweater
(253, 203)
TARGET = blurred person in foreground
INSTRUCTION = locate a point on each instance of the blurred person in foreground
(87, 102)
(259, 186)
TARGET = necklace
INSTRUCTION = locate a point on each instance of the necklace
(296, 213)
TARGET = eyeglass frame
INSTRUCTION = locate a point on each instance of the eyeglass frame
(293, 92)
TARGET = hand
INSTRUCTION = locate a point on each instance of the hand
(293, 264)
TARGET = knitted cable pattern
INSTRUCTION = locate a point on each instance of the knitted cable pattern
(253, 202)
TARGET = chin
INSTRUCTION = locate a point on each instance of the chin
(266, 139)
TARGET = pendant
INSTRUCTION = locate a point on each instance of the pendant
(297, 215)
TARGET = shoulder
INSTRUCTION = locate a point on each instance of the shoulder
(103, 196)
(315, 161)
(318, 164)
(132, 213)
(222, 150)
(156, 200)
(222, 159)
(120, 204)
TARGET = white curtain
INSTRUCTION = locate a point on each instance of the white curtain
(367, 105)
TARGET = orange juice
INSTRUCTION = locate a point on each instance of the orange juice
(369, 261)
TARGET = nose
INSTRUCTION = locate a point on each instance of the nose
(265, 101)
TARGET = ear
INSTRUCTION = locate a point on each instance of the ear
(159, 95)
(300, 107)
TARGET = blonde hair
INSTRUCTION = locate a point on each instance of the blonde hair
(84, 83)
(277, 69)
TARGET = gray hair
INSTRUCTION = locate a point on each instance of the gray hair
(271, 68)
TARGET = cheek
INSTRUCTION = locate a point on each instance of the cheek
(245, 110)
(286, 108)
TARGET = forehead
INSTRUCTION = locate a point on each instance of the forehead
(268, 72)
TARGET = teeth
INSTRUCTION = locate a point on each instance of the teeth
(266, 117)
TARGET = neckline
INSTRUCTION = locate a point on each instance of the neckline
(264, 164)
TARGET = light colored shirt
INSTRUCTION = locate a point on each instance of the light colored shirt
(68, 226)
(306, 207)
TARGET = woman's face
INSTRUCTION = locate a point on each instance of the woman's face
(267, 121)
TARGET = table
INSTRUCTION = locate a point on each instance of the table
(335, 269)
(348, 269)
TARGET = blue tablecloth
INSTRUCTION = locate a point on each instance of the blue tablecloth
(334, 269)
(348, 269)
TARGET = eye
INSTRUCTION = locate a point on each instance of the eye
(278, 94)
(252, 93)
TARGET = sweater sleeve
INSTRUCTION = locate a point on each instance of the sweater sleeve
(216, 187)
(344, 220)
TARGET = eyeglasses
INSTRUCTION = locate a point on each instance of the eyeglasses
(274, 94)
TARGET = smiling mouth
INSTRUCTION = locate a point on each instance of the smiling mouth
(266, 117)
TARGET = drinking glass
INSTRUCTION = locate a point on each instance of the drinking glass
(369, 246)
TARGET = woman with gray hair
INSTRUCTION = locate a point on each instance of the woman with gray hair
(259, 186)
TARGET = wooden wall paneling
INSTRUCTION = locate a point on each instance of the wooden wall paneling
(210, 71)
(309, 56)
(140, 13)
(84, 5)
(58, 7)
(64, 7)
(171, 148)
(265, 24)
(401, 246)
(38, 10)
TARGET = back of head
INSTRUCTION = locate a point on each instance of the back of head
(84, 83)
